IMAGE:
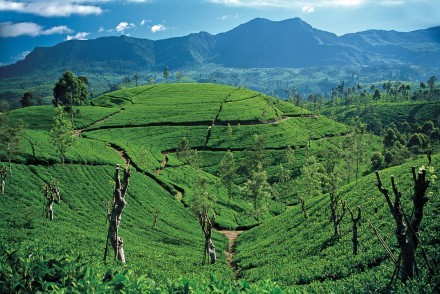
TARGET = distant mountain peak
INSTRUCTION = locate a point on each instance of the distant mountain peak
(258, 43)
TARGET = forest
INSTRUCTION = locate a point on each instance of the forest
(185, 187)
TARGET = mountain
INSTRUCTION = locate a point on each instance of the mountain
(259, 43)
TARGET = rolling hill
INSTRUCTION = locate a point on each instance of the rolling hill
(146, 125)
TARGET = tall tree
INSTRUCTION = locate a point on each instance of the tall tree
(70, 90)
(227, 172)
(184, 150)
(431, 84)
(258, 190)
(202, 203)
(127, 81)
(27, 99)
(62, 133)
(166, 74)
(137, 77)
(9, 138)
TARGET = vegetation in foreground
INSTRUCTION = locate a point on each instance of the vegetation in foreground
(281, 153)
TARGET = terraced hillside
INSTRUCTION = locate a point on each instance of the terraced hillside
(383, 113)
(145, 125)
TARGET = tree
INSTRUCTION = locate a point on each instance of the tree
(201, 203)
(227, 172)
(184, 150)
(355, 221)
(376, 95)
(52, 194)
(9, 138)
(137, 77)
(377, 160)
(3, 175)
(62, 133)
(309, 183)
(114, 216)
(179, 76)
(70, 90)
(166, 74)
(407, 230)
(431, 84)
(27, 99)
(127, 81)
(257, 189)
(359, 145)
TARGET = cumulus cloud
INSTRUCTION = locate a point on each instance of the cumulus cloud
(9, 29)
(50, 8)
(158, 28)
(123, 26)
(78, 36)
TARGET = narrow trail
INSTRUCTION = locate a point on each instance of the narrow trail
(232, 236)
(78, 132)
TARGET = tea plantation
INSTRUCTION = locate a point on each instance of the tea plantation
(279, 250)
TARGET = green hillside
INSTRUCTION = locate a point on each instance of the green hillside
(381, 114)
(145, 125)
(303, 254)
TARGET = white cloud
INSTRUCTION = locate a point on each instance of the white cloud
(101, 29)
(158, 28)
(123, 26)
(225, 17)
(9, 29)
(50, 8)
(78, 36)
(57, 30)
(140, 1)
(22, 55)
(144, 21)
(291, 4)
(308, 8)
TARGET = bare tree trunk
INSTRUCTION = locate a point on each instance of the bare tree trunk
(407, 231)
(155, 216)
(336, 217)
(303, 208)
(52, 194)
(355, 221)
(114, 217)
(209, 247)
(4, 174)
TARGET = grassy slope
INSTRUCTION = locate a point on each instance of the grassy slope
(387, 112)
(132, 125)
(301, 254)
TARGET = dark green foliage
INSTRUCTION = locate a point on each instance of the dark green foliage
(70, 90)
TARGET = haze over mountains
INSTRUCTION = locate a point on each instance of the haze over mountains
(259, 43)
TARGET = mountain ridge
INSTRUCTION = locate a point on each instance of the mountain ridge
(259, 43)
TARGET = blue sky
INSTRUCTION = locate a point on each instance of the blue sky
(26, 24)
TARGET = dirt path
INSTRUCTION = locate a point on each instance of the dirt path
(231, 235)
(78, 132)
